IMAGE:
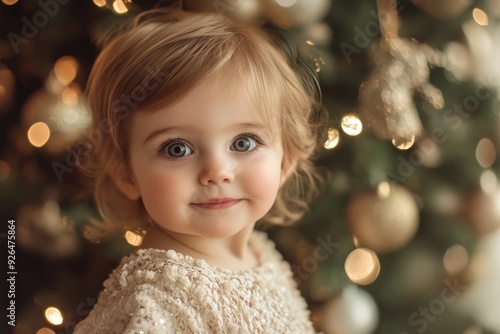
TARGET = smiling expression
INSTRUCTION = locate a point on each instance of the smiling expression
(205, 166)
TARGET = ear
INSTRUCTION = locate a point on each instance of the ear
(287, 171)
(125, 181)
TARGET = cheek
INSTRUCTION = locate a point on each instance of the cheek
(159, 189)
(262, 179)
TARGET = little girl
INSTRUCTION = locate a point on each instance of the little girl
(202, 127)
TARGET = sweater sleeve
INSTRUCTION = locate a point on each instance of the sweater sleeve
(141, 309)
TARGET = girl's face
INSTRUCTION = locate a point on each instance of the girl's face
(205, 166)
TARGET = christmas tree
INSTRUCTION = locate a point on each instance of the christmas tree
(403, 236)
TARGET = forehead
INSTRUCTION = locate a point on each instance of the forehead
(219, 99)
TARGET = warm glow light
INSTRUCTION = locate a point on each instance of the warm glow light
(65, 69)
(309, 42)
(38, 134)
(488, 182)
(69, 95)
(384, 189)
(362, 266)
(133, 238)
(480, 17)
(403, 144)
(45, 330)
(355, 240)
(9, 2)
(4, 170)
(333, 139)
(455, 259)
(119, 7)
(100, 3)
(351, 124)
(486, 153)
(54, 316)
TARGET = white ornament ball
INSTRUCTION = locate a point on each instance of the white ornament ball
(354, 312)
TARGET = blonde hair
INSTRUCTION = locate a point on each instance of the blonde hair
(164, 54)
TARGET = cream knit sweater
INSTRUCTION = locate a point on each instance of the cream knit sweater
(157, 291)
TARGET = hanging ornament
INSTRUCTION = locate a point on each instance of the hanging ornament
(289, 13)
(401, 68)
(353, 312)
(443, 9)
(383, 221)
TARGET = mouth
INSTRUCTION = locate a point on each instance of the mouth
(217, 203)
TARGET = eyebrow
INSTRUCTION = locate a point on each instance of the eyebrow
(240, 126)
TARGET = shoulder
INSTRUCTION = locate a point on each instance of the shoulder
(148, 291)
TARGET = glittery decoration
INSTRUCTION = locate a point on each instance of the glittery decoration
(386, 98)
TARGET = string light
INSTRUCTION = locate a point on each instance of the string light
(362, 266)
(351, 125)
(53, 315)
(100, 3)
(65, 69)
(333, 139)
(119, 7)
(9, 2)
(38, 134)
(384, 189)
(402, 143)
(133, 239)
(480, 17)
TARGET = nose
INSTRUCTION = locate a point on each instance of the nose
(216, 171)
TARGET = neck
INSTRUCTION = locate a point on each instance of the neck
(229, 253)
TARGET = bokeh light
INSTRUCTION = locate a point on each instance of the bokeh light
(480, 17)
(351, 125)
(133, 239)
(403, 143)
(333, 139)
(66, 69)
(38, 134)
(362, 266)
(119, 7)
(53, 315)
(455, 259)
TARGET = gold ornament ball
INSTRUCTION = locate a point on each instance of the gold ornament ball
(383, 223)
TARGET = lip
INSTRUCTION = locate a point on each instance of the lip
(217, 203)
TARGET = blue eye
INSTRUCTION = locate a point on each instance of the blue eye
(243, 144)
(176, 150)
